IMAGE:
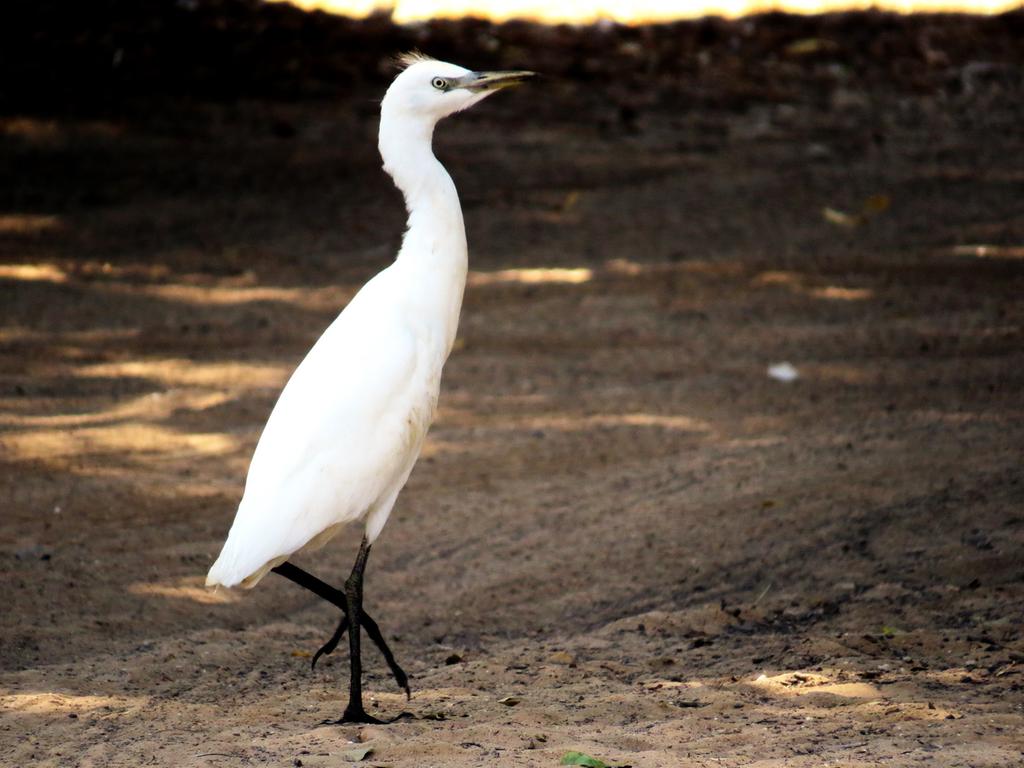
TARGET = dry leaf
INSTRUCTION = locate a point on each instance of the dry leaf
(876, 204)
(357, 754)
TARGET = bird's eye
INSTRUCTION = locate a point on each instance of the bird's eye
(440, 83)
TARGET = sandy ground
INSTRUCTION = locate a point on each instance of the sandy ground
(623, 538)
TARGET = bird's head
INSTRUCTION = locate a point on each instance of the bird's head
(431, 90)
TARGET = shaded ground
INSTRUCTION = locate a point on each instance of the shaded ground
(666, 557)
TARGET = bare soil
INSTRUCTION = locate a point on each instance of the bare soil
(624, 537)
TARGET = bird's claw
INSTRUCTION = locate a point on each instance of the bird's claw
(329, 647)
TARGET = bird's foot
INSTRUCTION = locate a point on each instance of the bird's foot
(356, 714)
(360, 717)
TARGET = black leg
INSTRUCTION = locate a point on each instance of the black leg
(337, 598)
(354, 712)
(378, 639)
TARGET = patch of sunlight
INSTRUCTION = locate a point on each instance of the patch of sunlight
(48, 703)
(327, 298)
(184, 591)
(838, 293)
(179, 372)
(629, 268)
(630, 11)
(154, 406)
(129, 438)
(801, 683)
(846, 690)
(990, 251)
(223, 293)
(778, 277)
(796, 282)
(31, 272)
(532, 276)
(17, 334)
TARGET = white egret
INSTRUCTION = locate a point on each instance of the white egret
(349, 425)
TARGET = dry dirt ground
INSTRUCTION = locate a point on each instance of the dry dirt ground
(623, 538)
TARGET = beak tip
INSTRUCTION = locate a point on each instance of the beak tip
(498, 80)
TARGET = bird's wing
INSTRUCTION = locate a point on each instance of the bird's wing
(348, 423)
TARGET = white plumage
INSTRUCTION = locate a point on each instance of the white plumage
(350, 423)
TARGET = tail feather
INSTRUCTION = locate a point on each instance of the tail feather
(229, 572)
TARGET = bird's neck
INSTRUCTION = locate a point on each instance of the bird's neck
(433, 256)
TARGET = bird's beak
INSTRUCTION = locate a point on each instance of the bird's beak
(492, 81)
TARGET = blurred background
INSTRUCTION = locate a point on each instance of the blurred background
(727, 463)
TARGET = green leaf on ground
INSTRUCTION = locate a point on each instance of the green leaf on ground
(578, 758)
